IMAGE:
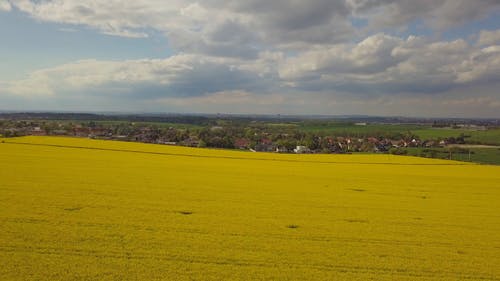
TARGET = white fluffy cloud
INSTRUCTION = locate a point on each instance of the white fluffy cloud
(5, 5)
(383, 63)
(489, 37)
(265, 53)
(378, 64)
(177, 76)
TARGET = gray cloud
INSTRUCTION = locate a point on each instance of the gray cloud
(386, 64)
(440, 14)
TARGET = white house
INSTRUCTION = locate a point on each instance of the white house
(301, 149)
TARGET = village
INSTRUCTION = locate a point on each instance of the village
(247, 137)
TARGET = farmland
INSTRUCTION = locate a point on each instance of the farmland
(479, 154)
(491, 137)
(80, 209)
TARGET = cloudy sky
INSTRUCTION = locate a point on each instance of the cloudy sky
(435, 58)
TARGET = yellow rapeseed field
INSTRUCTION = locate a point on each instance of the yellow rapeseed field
(79, 209)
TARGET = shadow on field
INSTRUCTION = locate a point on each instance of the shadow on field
(357, 189)
(72, 209)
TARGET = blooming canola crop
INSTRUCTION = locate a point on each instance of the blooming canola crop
(80, 209)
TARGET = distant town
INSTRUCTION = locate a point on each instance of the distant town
(264, 134)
